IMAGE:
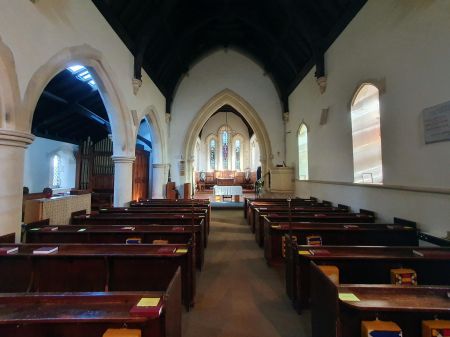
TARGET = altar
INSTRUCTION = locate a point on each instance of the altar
(231, 191)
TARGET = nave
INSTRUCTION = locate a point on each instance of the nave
(237, 293)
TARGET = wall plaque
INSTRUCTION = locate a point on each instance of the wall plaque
(436, 122)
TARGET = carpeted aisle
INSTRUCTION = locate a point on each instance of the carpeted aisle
(237, 293)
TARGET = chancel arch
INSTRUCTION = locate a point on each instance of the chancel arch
(230, 98)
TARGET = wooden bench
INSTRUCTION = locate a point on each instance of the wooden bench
(43, 233)
(259, 214)
(346, 234)
(160, 209)
(89, 314)
(266, 205)
(99, 267)
(136, 219)
(365, 265)
(405, 305)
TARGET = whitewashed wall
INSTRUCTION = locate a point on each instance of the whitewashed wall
(218, 71)
(38, 166)
(402, 46)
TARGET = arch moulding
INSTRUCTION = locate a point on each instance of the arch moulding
(158, 135)
(118, 113)
(9, 88)
(229, 97)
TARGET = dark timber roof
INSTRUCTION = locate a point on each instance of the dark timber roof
(286, 37)
(70, 110)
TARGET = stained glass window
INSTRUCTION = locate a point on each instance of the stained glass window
(212, 154)
(237, 148)
(225, 150)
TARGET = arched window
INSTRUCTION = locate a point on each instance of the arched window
(225, 146)
(237, 155)
(303, 152)
(56, 173)
(212, 154)
(366, 136)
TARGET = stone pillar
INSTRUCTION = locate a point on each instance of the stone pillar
(123, 180)
(160, 175)
(12, 155)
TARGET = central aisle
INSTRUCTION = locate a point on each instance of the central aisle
(237, 293)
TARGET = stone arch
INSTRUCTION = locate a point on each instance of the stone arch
(157, 133)
(9, 88)
(118, 113)
(231, 98)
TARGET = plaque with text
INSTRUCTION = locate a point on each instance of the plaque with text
(436, 121)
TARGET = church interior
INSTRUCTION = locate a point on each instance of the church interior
(227, 168)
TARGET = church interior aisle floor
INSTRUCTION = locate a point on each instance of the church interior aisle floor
(237, 293)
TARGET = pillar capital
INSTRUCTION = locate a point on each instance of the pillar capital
(123, 159)
(15, 138)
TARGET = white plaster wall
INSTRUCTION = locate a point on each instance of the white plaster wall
(45, 28)
(218, 71)
(402, 45)
(38, 165)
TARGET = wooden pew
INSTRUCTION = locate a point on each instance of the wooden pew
(249, 201)
(197, 203)
(260, 213)
(363, 265)
(266, 205)
(117, 234)
(338, 234)
(8, 238)
(405, 305)
(136, 219)
(159, 209)
(99, 267)
(89, 314)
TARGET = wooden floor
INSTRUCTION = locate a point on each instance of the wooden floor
(238, 294)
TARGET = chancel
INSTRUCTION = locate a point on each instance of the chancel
(224, 168)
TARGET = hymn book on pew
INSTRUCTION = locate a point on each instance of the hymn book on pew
(129, 228)
(147, 307)
(167, 250)
(8, 250)
(45, 250)
(49, 229)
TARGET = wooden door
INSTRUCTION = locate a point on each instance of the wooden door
(140, 175)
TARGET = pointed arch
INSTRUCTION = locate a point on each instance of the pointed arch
(9, 88)
(231, 98)
(118, 113)
(157, 133)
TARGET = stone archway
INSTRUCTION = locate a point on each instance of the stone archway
(13, 141)
(9, 88)
(118, 113)
(229, 97)
(122, 127)
(159, 152)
